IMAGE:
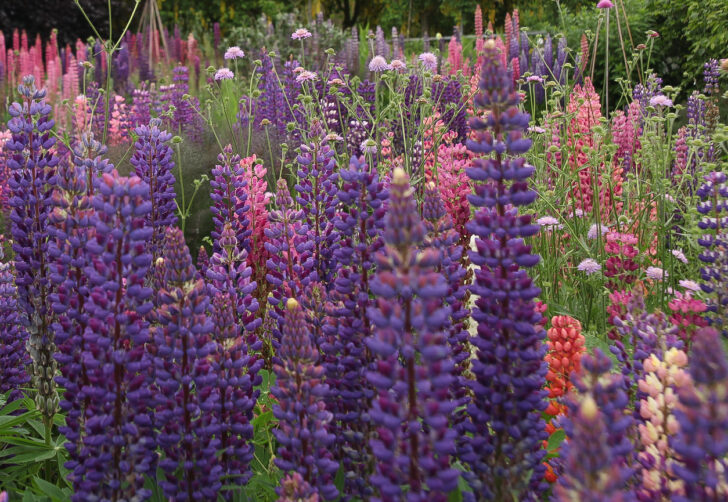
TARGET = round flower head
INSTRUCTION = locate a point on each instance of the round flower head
(536, 130)
(378, 64)
(589, 266)
(535, 78)
(368, 146)
(655, 273)
(549, 222)
(306, 76)
(234, 52)
(224, 74)
(398, 65)
(605, 4)
(689, 285)
(300, 34)
(597, 227)
(429, 60)
(660, 100)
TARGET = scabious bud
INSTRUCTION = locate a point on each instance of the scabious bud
(118, 448)
(152, 161)
(702, 413)
(303, 421)
(33, 167)
(413, 370)
(183, 405)
(504, 453)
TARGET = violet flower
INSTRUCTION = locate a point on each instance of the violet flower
(13, 336)
(229, 198)
(302, 433)
(187, 429)
(505, 451)
(152, 161)
(413, 369)
(33, 167)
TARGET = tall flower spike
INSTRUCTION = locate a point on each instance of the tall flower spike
(236, 375)
(359, 222)
(152, 161)
(702, 412)
(33, 168)
(413, 368)
(229, 197)
(594, 458)
(13, 356)
(71, 231)
(442, 237)
(303, 421)
(183, 405)
(506, 438)
(715, 255)
(118, 447)
(316, 188)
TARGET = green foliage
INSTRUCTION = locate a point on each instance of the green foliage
(30, 462)
(692, 31)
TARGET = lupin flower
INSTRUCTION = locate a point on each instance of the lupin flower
(229, 197)
(33, 167)
(152, 161)
(303, 421)
(413, 370)
(687, 313)
(71, 231)
(316, 188)
(359, 222)
(506, 440)
(236, 375)
(715, 255)
(118, 445)
(442, 237)
(594, 459)
(258, 199)
(702, 412)
(183, 406)
(13, 356)
(565, 350)
(663, 379)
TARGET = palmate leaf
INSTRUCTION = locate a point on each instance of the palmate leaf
(55, 493)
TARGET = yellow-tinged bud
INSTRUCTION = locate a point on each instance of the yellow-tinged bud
(292, 304)
(589, 408)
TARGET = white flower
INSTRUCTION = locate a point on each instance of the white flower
(234, 52)
(660, 100)
(378, 64)
(332, 136)
(429, 60)
(224, 74)
(655, 273)
(300, 34)
(677, 253)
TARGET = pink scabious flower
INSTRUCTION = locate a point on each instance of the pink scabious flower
(224, 74)
(378, 64)
(301, 34)
(605, 4)
(655, 273)
(398, 65)
(660, 100)
(536, 130)
(234, 52)
(306, 76)
(689, 285)
(677, 253)
(535, 78)
(589, 266)
(549, 222)
(429, 60)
